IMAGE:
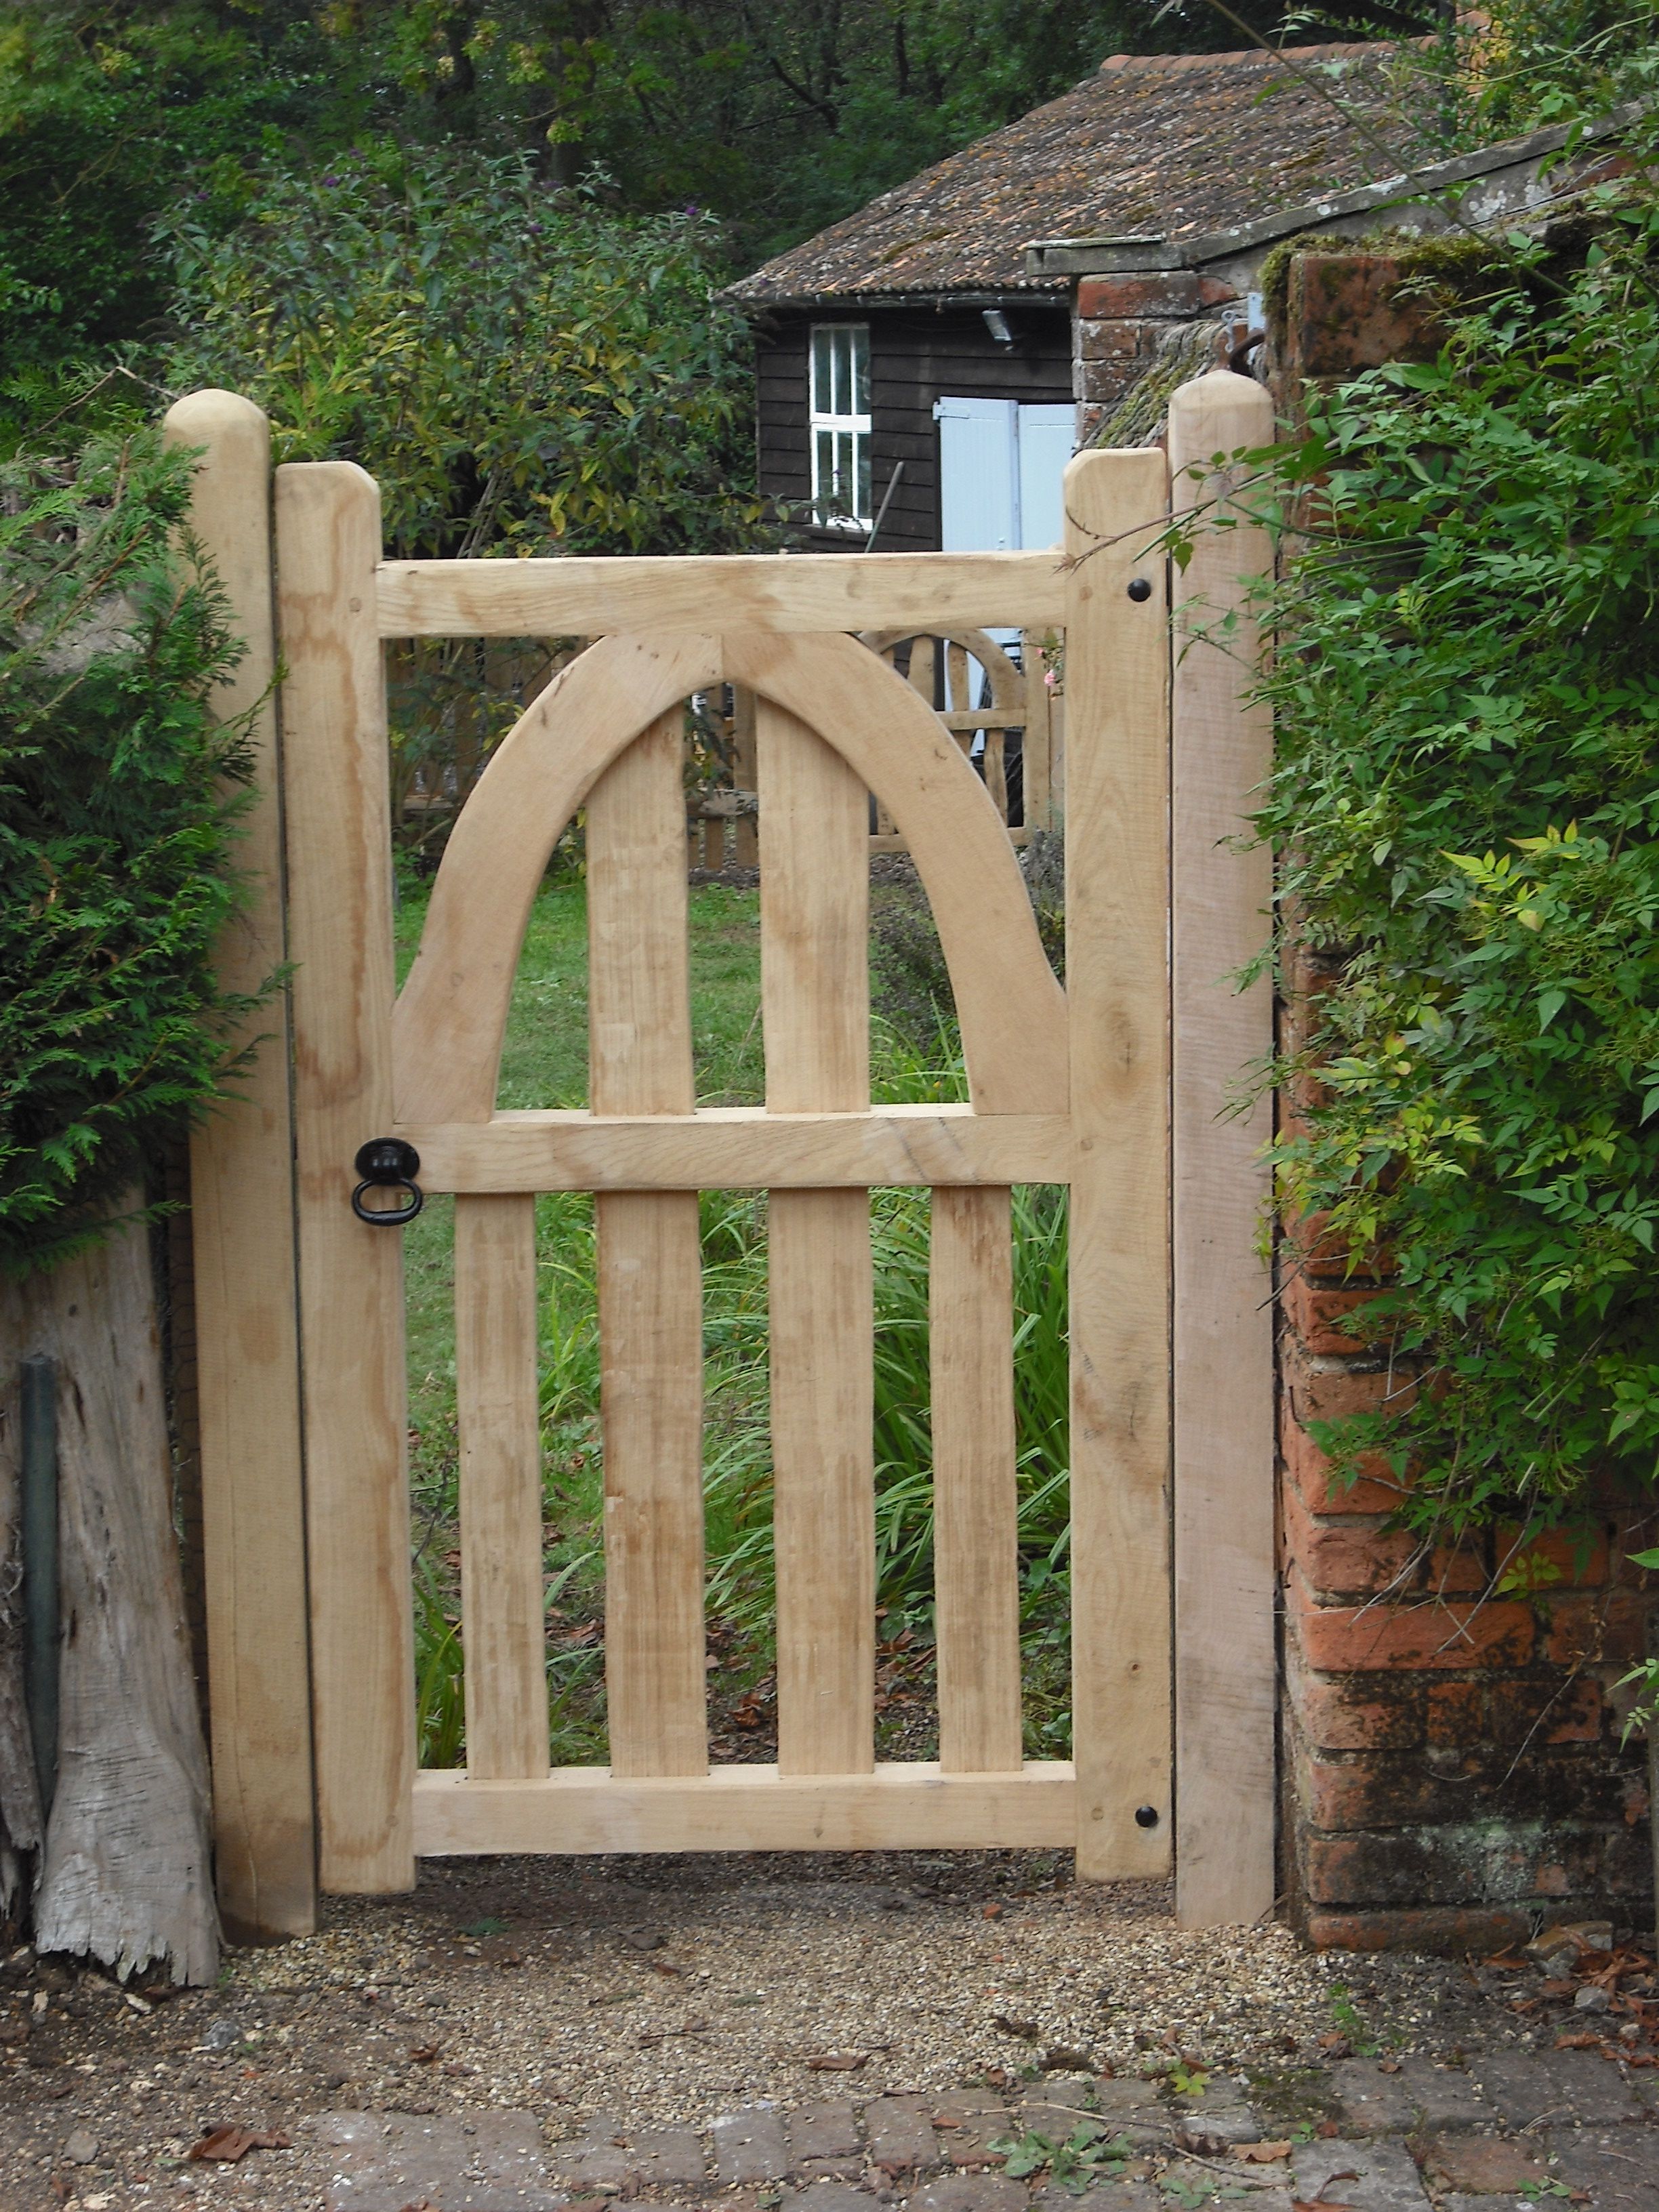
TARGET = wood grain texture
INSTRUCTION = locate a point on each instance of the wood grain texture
(975, 1502)
(498, 1420)
(812, 592)
(740, 1147)
(242, 1234)
(1117, 987)
(339, 876)
(649, 1266)
(908, 1806)
(452, 1015)
(815, 1007)
(1225, 1686)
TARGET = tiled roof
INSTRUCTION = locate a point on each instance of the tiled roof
(1171, 146)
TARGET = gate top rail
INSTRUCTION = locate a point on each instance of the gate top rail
(587, 597)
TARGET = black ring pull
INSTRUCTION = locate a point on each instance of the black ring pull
(388, 1164)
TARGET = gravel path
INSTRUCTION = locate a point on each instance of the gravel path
(664, 1992)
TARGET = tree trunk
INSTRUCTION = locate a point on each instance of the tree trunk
(126, 1872)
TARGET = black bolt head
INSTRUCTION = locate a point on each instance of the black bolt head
(1141, 588)
(1145, 1816)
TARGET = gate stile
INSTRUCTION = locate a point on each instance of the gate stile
(1069, 1088)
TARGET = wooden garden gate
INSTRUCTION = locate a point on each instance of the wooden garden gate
(303, 1395)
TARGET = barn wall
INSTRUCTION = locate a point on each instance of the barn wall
(916, 355)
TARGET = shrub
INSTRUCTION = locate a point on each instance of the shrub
(116, 838)
(1467, 796)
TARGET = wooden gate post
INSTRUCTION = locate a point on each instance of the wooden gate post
(242, 1232)
(1224, 1350)
(1117, 677)
(351, 1276)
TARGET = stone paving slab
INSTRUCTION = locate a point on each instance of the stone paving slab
(1487, 2165)
(900, 2133)
(1372, 2176)
(485, 2161)
(971, 2192)
(1619, 2167)
(751, 2145)
(1529, 2089)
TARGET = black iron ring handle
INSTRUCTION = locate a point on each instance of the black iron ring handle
(388, 1164)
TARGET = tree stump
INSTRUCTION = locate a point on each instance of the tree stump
(126, 1874)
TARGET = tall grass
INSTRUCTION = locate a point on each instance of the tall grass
(736, 1454)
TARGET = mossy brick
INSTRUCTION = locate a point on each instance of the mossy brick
(1439, 1930)
(1588, 1628)
(1356, 1713)
(1470, 1863)
(1546, 1710)
(1456, 1714)
(1345, 313)
(1343, 1640)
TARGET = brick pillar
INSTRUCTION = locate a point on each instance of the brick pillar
(1116, 329)
(1453, 1773)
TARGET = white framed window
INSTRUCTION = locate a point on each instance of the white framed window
(840, 425)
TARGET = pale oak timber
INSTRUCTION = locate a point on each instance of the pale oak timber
(907, 1807)
(499, 1428)
(1225, 1683)
(812, 592)
(815, 1011)
(738, 1148)
(351, 1303)
(1117, 662)
(452, 1015)
(975, 1493)
(242, 1238)
(650, 1268)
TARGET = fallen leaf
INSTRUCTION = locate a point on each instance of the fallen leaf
(1327, 2128)
(1576, 2042)
(230, 2143)
(1063, 2058)
(1388, 2065)
(424, 2053)
(836, 2062)
(666, 1966)
(1507, 1962)
(1026, 2030)
(1337, 2046)
(990, 1912)
(1262, 2154)
(1320, 2203)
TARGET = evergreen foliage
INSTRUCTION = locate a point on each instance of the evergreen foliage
(117, 840)
(1466, 795)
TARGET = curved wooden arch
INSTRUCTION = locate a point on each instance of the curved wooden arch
(1006, 679)
(451, 1018)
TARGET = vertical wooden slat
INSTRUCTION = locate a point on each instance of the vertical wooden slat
(976, 1505)
(498, 1418)
(745, 833)
(241, 1225)
(1225, 1687)
(650, 1269)
(816, 1014)
(1117, 662)
(1035, 743)
(351, 1314)
(996, 778)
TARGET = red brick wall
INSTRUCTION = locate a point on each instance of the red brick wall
(1453, 1772)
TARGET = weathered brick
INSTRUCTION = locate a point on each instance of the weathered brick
(1528, 2089)
(1609, 1625)
(1375, 2177)
(1376, 1489)
(899, 2133)
(1436, 1930)
(823, 2137)
(1615, 2166)
(1339, 1639)
(1575, 1555)
(1369, 2102)
(1485, 2165)
(1347, 1715)
(382, 2161)
(1159, 292)
(1318, 1313)
(969, 2121)
(969, 2192)
(750, 2146)
(1345, 313)
(1551, 1710)
(1323, 1390)
(1456, 1714)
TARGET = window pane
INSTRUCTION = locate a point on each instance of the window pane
(843, 373)
(844, 470)
(862, 507)
(824, 468)
(862, 372)
(821, 372)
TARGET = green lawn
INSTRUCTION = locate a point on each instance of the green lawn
(544, 1063)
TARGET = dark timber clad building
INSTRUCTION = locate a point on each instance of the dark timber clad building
(950, 343)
